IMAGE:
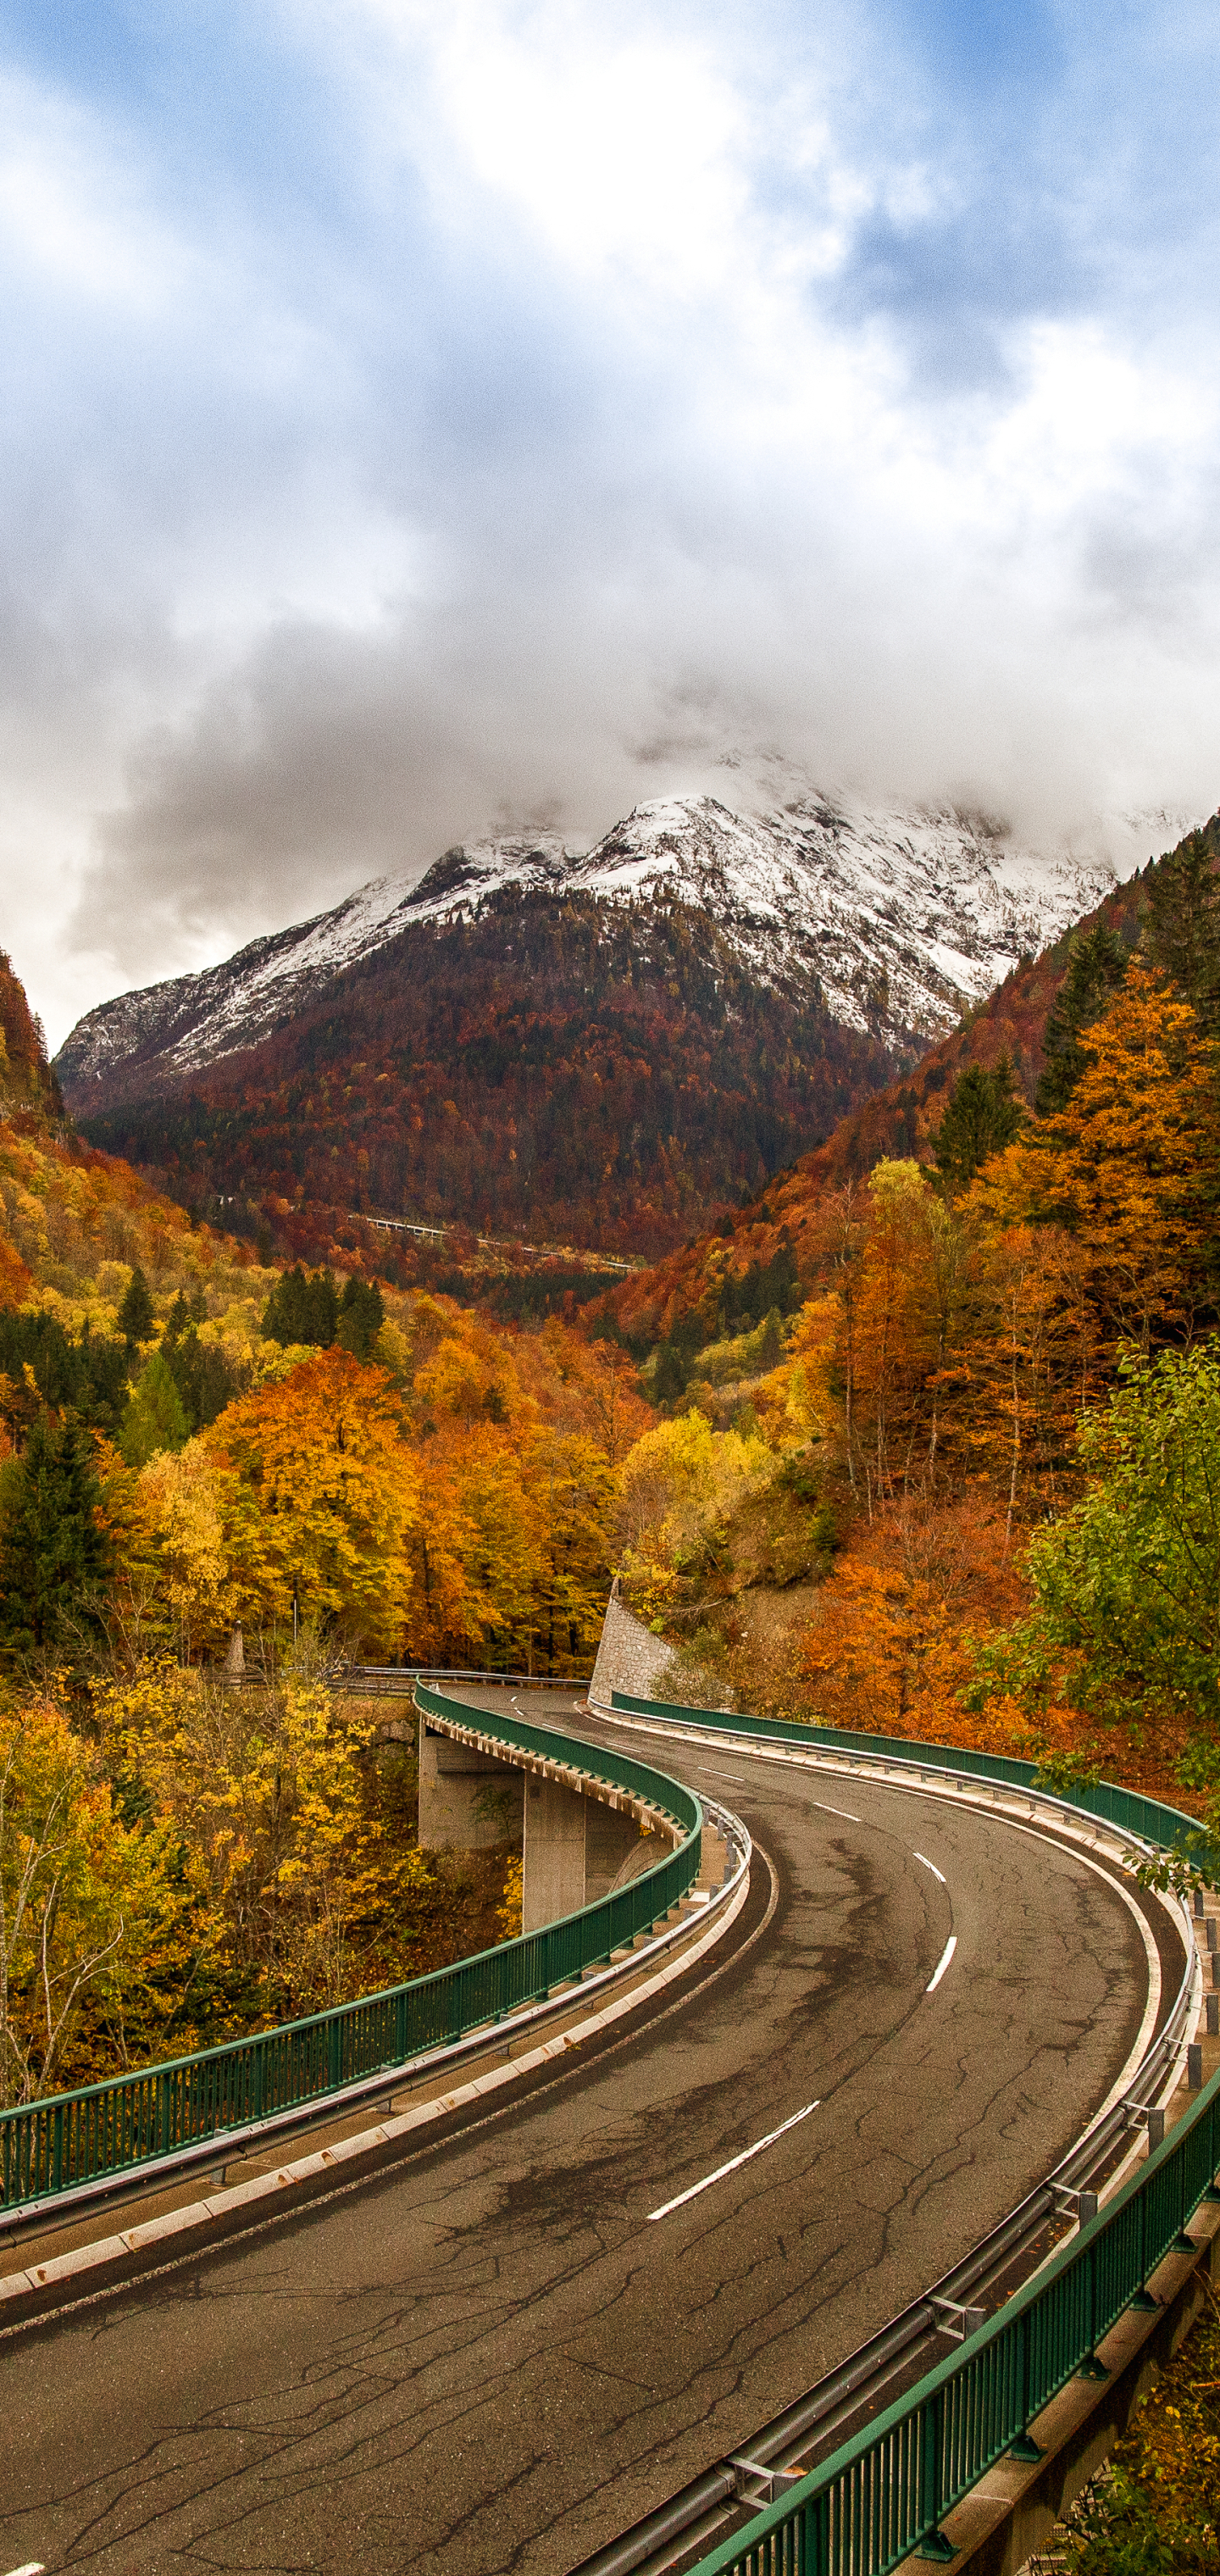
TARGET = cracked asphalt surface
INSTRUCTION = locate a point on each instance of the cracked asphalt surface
(487, 2358)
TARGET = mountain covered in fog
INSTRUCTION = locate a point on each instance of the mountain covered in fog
(606, 1044)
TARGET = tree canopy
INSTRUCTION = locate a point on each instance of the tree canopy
(54, 1551)
(983, 1113)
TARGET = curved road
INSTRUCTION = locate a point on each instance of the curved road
(497, 2354)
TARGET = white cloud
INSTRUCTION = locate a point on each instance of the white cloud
(500, 407)
(71, 218)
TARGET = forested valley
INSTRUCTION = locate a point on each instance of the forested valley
(941, 1453)
(924, 1438)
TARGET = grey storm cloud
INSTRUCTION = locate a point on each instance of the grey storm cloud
(441, 418)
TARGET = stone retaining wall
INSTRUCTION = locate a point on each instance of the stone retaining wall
(629, 1657)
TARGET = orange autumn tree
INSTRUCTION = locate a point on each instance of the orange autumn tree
(1134, 1161)
(317, 1489)
(886, 1649)
(876, 1375)
(516, 1437)
(477, 1548)
(1024, 1358)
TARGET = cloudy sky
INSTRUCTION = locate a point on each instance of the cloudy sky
(422, 413)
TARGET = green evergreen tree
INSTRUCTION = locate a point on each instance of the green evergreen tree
(1097, 965)
(982, 1116)
(202, 1375)
(1182, 922)
(155, 1417)
(176, 1321)
(53, 1555)
(136, 1317)
(89, 1377)
(302, 1309)
(361, 1316)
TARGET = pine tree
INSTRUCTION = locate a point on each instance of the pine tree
(1182, 923)
(176, 1321)
(361, 1316)
(1097, 964)
(202, 1375)
(136, 1317)
(52, 1551)
(303, 1309)
(982, 1116)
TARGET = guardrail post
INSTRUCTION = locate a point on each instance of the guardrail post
(1186, 2244)
(815, 2537)
(1091, 2367)
(935, 2543)
(1024, 2447)
(1141, 2299)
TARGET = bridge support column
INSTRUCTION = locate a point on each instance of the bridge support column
(467, 1800)
(553, 1878)
(575, 1849)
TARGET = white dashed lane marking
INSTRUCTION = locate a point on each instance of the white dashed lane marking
(945, 1956)
(930, 1864)
(695, 2188)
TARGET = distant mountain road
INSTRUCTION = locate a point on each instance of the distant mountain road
(500, 2353)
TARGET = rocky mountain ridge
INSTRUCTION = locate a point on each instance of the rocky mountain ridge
(900, 917)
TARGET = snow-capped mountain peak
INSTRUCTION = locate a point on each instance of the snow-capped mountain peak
(903, 915)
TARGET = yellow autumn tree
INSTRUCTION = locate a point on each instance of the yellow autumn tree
(182, 1500)
(575, 1486)
(91, 1911)
(675, 1486)
(317, 1491)
(267, 1790)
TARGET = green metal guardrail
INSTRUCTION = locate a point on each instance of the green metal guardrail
(1147, 1818)
(882, 2496)
(68, 2139)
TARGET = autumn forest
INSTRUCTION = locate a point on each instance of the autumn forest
(920, 1436)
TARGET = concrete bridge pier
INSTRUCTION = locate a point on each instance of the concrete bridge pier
(574, 1848)
(467, 1800)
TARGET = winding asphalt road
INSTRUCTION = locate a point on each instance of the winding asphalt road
(497, 2354)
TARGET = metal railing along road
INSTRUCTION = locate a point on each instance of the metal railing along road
(1160, 1827)
(884, 2494)
(166, 2112)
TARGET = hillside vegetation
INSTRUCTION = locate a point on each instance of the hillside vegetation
(942, 1422)
(191, 1444)
(770, 1239)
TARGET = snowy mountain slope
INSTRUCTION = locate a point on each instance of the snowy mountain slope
(902, 916)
